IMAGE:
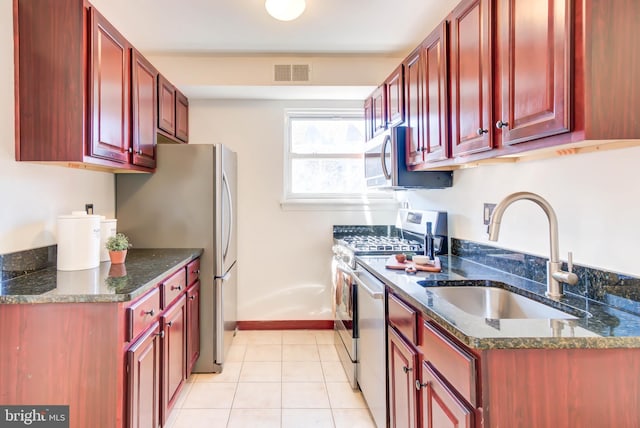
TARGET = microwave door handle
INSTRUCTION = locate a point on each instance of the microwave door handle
(385, 171)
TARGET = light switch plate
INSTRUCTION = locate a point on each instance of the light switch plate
(486, 213)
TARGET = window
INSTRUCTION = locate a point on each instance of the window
(324, 155)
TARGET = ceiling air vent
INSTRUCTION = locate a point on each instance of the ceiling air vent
(291, 72)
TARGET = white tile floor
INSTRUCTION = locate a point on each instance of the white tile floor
(279, 379)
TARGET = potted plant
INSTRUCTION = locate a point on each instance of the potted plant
(117, 246)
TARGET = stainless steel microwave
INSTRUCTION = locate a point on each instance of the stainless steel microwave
(385, 164)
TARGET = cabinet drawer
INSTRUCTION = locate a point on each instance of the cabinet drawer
(455, 364)
(142, 313)
(403, 318)
(193, 271)
(173, 286)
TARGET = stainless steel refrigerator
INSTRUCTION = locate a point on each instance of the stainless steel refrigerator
(190, 202)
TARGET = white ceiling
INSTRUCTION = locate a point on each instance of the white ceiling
(370, 27)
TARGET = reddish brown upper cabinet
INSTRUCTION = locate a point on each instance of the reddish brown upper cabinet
(173, 112)
(533, 52)
(75, 108)
(471, 78)
(395, 96)
(435, 114)
(379, 108)
(144, 103)
(403, 412)
(109, 91)
(368, 119)
(182, 117)
(414, 106)
(166, 106)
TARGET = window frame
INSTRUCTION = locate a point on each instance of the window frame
(319, 199)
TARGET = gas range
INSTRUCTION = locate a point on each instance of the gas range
(406, 236)
(379, 245)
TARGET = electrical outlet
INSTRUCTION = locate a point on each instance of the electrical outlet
(486, 213)
(88, 208)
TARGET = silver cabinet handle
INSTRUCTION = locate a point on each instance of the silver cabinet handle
(481, 131)
(406, 369)
(501, 124)
(150, 313)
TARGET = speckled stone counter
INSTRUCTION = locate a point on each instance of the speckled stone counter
(143, 269)
(597, 325)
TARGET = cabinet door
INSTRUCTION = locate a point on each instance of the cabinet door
(471, 127)
(440, 407)
(166, 106)
(395, 97)
(435, 116)
(193, 326)
(173, 354)
(182, 117)
(143, 389)
(109, 81)
(144, 103)
(402, 378)
(379, 107)
(368, 119)
(534, 52)
(413, 106)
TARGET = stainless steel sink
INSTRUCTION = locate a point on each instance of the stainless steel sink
(496, 303)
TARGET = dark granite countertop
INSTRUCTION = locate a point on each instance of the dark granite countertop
(143, 269)
(597, 326)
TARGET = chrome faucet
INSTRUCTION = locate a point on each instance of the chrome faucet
(555, 275)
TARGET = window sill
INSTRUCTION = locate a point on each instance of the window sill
(339, 205)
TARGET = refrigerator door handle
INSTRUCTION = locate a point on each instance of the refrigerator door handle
(227, 193)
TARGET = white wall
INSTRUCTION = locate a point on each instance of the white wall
(595, 196)
(283, 255)
(31, 196)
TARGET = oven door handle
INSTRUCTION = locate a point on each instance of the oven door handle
(378, 295)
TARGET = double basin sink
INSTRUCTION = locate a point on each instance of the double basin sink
(497, 303)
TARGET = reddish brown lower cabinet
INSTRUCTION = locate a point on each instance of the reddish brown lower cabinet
(439, 382)
(441, 408)
(403, 360)
(174, 352)
(193, 325)
(143, 363)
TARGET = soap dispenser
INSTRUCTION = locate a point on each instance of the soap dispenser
(428, 242)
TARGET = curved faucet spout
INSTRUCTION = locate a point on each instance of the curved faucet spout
(496, 218)
(555, 276)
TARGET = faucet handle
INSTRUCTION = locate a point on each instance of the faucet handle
(570, 261)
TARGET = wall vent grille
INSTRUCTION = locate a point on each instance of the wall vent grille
(291, 72)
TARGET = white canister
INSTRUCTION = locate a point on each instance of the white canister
(78, 242)
(108, 227)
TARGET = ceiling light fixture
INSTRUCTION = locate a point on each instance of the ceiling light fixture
(285, 10)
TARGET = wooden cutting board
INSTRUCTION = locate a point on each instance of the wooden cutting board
(392, 263)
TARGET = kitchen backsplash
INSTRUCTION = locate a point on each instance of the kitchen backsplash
(20, 263)
(615, 289)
